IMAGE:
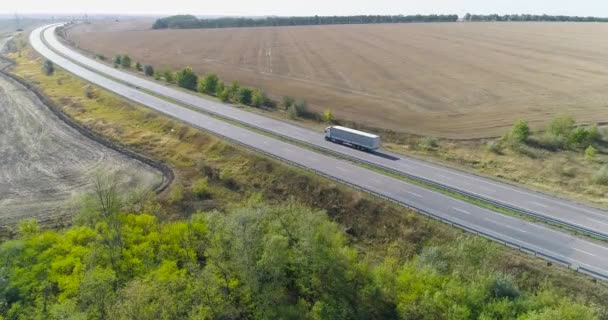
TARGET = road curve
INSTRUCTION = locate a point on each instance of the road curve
(579, 254)
(557, 210)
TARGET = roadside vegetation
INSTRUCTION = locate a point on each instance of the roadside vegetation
(239, 235)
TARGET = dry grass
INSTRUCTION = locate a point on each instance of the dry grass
(461, 80)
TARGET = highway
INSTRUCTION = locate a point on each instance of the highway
(561, 211)
(577, 253)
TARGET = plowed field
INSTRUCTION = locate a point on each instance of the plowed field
(459, 80)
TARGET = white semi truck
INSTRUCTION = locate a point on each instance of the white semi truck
(355, 138)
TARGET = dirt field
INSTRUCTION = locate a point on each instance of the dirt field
(459, 80)
(44, 162)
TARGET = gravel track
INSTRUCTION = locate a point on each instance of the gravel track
(44, 161)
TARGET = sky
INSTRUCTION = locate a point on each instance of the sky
(308, 7)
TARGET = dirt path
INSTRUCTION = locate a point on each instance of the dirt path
(44, 161)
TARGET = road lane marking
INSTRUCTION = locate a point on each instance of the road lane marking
(598, 221)
(583, 251)
(460, 210)
(506, 226)
(414, 194)
(538, 204)
(342, 169)
(444, 176)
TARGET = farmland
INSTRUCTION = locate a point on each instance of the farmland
(45, 162)
(455, 80)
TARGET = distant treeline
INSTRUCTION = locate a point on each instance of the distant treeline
(531, 17)
(191, 22)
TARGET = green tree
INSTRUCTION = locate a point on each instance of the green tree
(148, 70)
(519, 132)
(138, 66)
(96, 291)
(125, 61)
(49, 67)
(259, 98)
(233, 91)
(224, 95)
(579, 138)
(220, 88)
(209, 85)
(187, 79)
(118, 60)
(245, 95)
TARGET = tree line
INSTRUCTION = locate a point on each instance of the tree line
(253, 262)
(192, 22)
(531, 17)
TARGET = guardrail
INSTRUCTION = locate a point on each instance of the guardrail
(519, 247)
(432, 183)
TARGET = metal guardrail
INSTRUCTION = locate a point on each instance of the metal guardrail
(358, 160)
(519, 247)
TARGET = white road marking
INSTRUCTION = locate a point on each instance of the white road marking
(414, 194)
(460, 210)
(538, 204)
(583, 251)
(602, 222)
(342, 169)
(444, 176)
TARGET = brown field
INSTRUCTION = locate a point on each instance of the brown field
(457, 80)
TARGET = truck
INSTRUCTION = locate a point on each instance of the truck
(355, 138)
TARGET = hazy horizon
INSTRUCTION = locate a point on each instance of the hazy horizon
(313, 7)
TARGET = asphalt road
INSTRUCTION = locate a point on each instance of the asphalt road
(520, 199)
(580, 254)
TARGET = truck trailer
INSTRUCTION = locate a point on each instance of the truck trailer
(355, 138)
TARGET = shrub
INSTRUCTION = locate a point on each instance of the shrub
(138, 66)
(601, 176)
(259, 98)
(148, 70)
(209, 84)
(157, 75)
(301, 107)
(168, 75)
(49, 67)
(288, 102)
(101, 57)
(328, 116)
(579, 138)
(590, 153)
(233, 90)
(292, 112)
(561, 126)
(88, 92)
(549, 141)
(220, 88)
(428, 143)
(224, 95)
(200, 187)
(117, 60)
(177, 194)
(125, 62)
(520, 132)
(187, 79)
(503, 287)
(494, 147)
(245, 95)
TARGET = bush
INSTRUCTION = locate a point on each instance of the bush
(209, 84)
(220, 88)
(177, 194)
(561, 126)
(259, 98)
(88, 92)
(138, 66)
(49, 67)
(292, 112)
(233, 90)
(520, 132)
(187, 79)
(601, 176)
(590, 153)
(125, 62)
(168, 75)
(328, 116)
(148, 70)
(157, 75)
(200, 187)
(550, 142)
(428, 143)
(245, 95)
(579, 138)
(301, 107)
(288, 102)
(494, 147)
(101, 57)
(224, 95)
(117, 60)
